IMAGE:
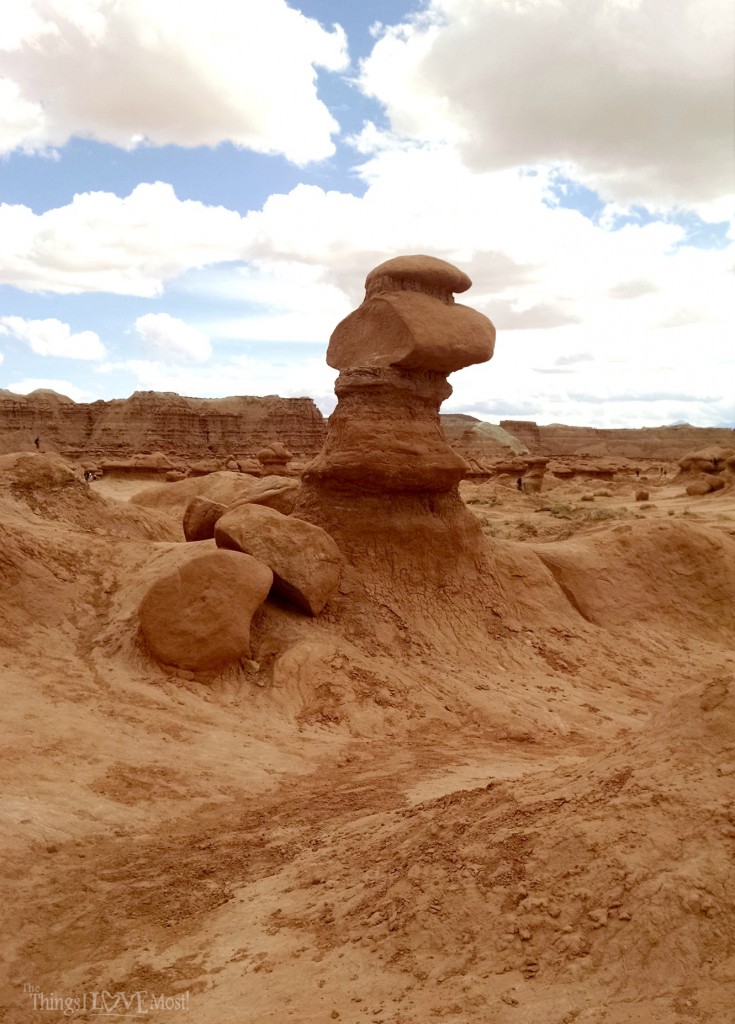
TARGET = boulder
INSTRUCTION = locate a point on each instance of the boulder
(304, 559)
(704, 484)
(409, 319)
(641, 495)
(200, 516)
(278, 492)
(198, 617)
(705, 460)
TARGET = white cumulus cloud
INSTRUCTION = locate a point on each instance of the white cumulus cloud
(103, 243)
(52, 337)
(636, 93)
(170, 72)
(168, 336)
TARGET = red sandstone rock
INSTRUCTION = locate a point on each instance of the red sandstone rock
(704, 484)
(200, 517)
(274, 458)
(187, 428)
(304, 558)
(385, 483)
(533, 478)
(409, 320)
(198, 617)
(558, 440)
(706, 460)
(278, 492)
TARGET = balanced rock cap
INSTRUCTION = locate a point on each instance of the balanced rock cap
(409, 320)
(417, 273)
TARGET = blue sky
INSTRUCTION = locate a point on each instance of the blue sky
(192, 194)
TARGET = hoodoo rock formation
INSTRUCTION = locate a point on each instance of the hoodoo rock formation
(385, 484)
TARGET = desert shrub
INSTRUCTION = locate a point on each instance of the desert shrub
(561, 511)
(598, 515)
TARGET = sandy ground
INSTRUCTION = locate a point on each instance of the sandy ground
(532, 824)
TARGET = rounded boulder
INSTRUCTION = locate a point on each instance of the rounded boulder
(198, 617)
(304, 559)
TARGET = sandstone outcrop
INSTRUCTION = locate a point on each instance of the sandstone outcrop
(278, 492)
(274, 458)
(704, 483)
(304, 559)
(706, 460)
(385, 484)
(198, 617)
(558, 440)
(478, 442)
(533, 478)
(185, 428)
(200, 518)
(223, 487)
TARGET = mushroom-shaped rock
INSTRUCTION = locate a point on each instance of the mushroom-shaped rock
(200, 516)
(278, 492)
(705, 460)
(304, 558)
(198, 617)
(533, 478)
(409, 320)
(274, 456)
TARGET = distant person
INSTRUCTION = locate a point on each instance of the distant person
(37, 442)
(519, 483)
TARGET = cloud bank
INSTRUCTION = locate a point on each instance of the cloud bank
(167, 72)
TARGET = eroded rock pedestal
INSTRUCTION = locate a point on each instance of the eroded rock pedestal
(385, 484)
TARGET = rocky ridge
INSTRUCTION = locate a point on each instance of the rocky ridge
(150, 421)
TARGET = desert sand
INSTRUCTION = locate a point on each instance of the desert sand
(492, 781)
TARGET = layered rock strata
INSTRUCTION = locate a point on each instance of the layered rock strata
(385, 484)
(558, 440)
(150, 421)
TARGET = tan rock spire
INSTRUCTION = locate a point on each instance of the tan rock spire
(386, 478)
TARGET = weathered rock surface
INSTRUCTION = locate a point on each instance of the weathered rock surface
(703, 484)
(186, 428)
(409, 319)
(278, 492)
(385, 483)
(223, 487)
(200, 517)
(304, 559)
(558, 440)
(274, 458)
(198, 617)
(533, 478)
(478, 442)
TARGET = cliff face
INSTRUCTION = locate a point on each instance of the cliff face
(479, 441)
(644, 443)
(152, 421)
